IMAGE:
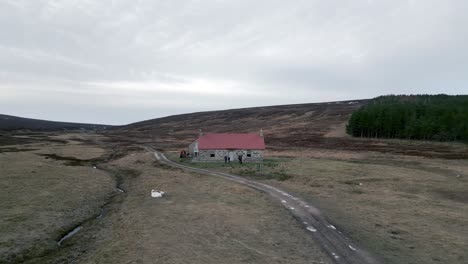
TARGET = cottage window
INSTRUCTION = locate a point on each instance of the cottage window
(212, 155)
(249, 155)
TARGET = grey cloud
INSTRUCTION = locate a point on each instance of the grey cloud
(271, 52)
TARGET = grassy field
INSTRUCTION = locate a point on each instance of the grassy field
(405, 209)
(50, 187)
(271, 168)
(42, 198)
(202, 219)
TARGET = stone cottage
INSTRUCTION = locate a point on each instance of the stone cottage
(215, 146)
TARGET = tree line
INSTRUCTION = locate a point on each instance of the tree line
(426, 117)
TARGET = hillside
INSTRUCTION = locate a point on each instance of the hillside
(318, 125)
(11, 123)
(278, 122)
(283, 125)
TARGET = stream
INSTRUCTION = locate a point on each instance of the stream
(76, 229)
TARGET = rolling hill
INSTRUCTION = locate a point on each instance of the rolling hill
(284, 125)
(300, 126)
(14, 123)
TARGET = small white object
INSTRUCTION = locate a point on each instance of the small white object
(94, 167)
(156, 193)
(311, 229)
(332, 227)
(352, 248)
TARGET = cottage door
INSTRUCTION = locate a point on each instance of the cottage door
(231, 155)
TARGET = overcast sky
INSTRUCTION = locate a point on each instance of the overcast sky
(117, 62)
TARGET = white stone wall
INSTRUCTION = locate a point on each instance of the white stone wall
(193, 148)
(205, 155)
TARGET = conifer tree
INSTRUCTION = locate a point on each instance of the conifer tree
(427, 117)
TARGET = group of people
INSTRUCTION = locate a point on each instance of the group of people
(184, 154)
(227, 159)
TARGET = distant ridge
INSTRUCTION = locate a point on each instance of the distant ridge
(284, 126)
(12, 123)
(319, 126)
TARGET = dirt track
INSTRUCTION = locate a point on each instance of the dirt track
(334, 242)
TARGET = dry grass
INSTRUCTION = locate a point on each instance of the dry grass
(202, 219)
(406, 209)
(338, 130)
(41, 199)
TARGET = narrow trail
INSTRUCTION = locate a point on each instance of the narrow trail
(337, 245)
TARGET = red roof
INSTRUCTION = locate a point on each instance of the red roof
(231, 141)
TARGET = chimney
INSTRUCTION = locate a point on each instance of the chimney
(261, 132)
(200, 132)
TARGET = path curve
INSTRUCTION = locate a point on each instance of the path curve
(336, 244)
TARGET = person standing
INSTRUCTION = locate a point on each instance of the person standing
(225, 159)
(240, 159)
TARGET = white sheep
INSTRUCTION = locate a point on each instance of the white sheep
(156, 193)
